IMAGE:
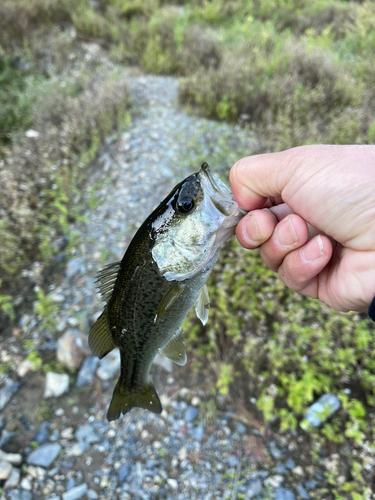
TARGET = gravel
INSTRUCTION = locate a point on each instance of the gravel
(185, 453)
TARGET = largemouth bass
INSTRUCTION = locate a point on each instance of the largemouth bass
(161, 276)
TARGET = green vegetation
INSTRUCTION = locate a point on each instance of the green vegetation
(290, 349)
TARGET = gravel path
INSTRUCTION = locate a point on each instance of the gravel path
(63, 447)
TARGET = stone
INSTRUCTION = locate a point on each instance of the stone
(13, 480)
(44, 455)
(253, 488)
(5, 470)
(31, 134)
(8, 442)
(92, 495)
(324, 408)
(275, 451)
(280, 468)
(73, 267)
(241, 429)
(19, 494)
(42, 434)
(13, 458)
(26, 484)
(290, 463)
(87, 371)
(72, 348)
(284, 494)
(298, 471)
(67, 433)
(274, 481)
(302, 492)
(190, 414)
(165, 363)
(7, 392)
(109, 366)
(75, 493)
(24, 367)
(172, 483)
(56, 384)
(78, 449)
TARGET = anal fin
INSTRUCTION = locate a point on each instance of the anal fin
(124, 399)
(174, 349)
(100, 338)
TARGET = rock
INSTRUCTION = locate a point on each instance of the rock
(7, 392)
(56, 384)
(274, 481)
(13, 480)
(298, 471)
(78, 449)
(19, 494)
(253, 488)
(198, 432)
(72, 348)
(311, 484)
(123, 472)
(241, 429)
(165, 363)
(13, 458)
(109, 366)
(73, 267)
(87, 434)
(190, 414)
(8, 442)
(92, 495)
(320, 411)
(302, 492)
(283, 494)
(75, 493)
(26, 484)
(172, 483)
(45, 455)
(5, 470)
(31, 134)
(275, 451)
(87, 371)
(280, 468)
(290, 463)
(42, 434)
(67, 433)
(24, 367)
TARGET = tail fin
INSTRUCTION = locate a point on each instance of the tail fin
(124, 399)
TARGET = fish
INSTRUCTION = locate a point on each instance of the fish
(161, 276)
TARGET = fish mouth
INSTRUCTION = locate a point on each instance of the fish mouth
(219, 193)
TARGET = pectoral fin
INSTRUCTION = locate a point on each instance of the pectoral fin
(100, 338)
(202, 305)
(174, 349)
(169, 298)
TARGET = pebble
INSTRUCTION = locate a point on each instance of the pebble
(56, 384)
(44, 455)
(67, 433)
(42, 435)
(13, 480)
(284, 494)
(253, 488)
(19, 494)
(7, 392)
(5, 470)
(172, 483)
(75, 493)
(290, 463)
(92, 495)
(326, 406)
(109, 366)
(87, 371)
(302, 492)
(13, 458)
(72, 348)
(274, 481)
(275, 451)
(190, 414)
(26, 484)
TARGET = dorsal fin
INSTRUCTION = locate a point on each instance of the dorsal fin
(107, 279)
(174, 349)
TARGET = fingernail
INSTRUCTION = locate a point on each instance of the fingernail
(285, 233)
(253, 222)
(313, 250)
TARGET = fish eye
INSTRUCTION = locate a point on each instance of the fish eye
(185, 206)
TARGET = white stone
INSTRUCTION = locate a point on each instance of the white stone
(56, 384)
(5, 470)
(26, 484)
(172, 483)
(274, 481)
(32, 134)
(13, 458)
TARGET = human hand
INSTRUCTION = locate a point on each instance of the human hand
(312, 214)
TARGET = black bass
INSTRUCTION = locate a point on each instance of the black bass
(161, 276)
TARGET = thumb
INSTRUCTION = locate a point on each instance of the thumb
(255, 178)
